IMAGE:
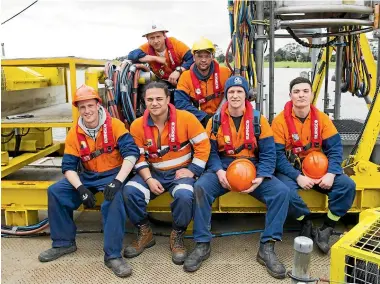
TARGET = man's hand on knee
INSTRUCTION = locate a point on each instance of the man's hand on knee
(111, 189)
(87, 197)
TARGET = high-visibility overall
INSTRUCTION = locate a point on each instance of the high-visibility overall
(100, 168)
(342, 193)
(227, 145)
(187, 147)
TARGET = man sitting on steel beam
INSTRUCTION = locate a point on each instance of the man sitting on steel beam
(309, 156)
(107, 154)
(239, 131)
(174, 150)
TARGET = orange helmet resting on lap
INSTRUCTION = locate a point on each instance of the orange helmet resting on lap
(315, 165)
(240, 174)
(85, 92)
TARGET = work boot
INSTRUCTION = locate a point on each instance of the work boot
(144, 240)
(200, 253)
(307, 229)
(119, 267)
(54, 253)
(266, 256)
(177, 247)
(322, 238)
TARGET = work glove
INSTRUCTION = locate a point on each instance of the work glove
(205, 120)
(87, 197)
(111, 189)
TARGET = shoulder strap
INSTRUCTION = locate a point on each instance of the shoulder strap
(215, 123)
(256, 124)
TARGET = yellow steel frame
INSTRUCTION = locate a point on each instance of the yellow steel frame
(21, 199)
(342, 248)
(320, 73)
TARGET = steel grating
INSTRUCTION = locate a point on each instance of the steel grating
(360, 271)
(370, 241)
(233, 259)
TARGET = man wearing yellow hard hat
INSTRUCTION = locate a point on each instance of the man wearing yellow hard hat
(167, 56)
(200, 89)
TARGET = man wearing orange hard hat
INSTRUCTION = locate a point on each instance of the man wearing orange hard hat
(309, 156)
(239, 131)
(167, 57)
(106, 152)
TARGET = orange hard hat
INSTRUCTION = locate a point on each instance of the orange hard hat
(85, 92)
(240, 174)
(315, 165)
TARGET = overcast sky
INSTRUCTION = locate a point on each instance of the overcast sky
(107, 29)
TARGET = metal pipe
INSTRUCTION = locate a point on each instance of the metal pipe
(324, 8)
(322, 23)
(326, 95)
(319, 35)
(314, 54)
(303, 247)
(338, 78)
(271, 61)
(259, 54)
(2, 50)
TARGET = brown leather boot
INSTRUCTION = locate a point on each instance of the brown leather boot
(145, 239)
(177, 247)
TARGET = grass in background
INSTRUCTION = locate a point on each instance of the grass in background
(287, 64)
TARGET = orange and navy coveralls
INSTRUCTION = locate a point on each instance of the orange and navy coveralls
(342, 193)
(192, 154)
(272, 192)
(182, 57)
(63, 198)
(211, 91)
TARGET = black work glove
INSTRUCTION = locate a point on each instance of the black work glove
(88, 198)
(205, 120)
(111, 189)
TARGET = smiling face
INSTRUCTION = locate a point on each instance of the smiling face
(203, 59)
(301, 95)
(236, 97)
(157, 41)
(157, 101)
(89, 111)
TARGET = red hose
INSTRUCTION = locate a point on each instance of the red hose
(25, 233)
(227, 63)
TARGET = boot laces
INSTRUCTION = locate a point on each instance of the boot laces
(140, 233)
(178, 239)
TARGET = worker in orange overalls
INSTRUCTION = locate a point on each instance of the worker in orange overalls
(107, 154)
(299, 130)
(202, 86)
(239, 131)
(174, 149)
(167, 56)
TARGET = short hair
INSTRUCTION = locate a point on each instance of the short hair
(299, 80)
(157, 85)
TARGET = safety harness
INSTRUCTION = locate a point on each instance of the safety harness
(174, 62)
(108, 141)
(252, 134)
(174, 144)
(297, 147)
(218, 91)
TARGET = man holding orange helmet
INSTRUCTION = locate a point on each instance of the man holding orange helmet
(309, 156)
(106, 152)
(235, 132)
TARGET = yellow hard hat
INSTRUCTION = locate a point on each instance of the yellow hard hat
(203, 44)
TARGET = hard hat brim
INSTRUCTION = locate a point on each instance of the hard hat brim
(165, 31)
